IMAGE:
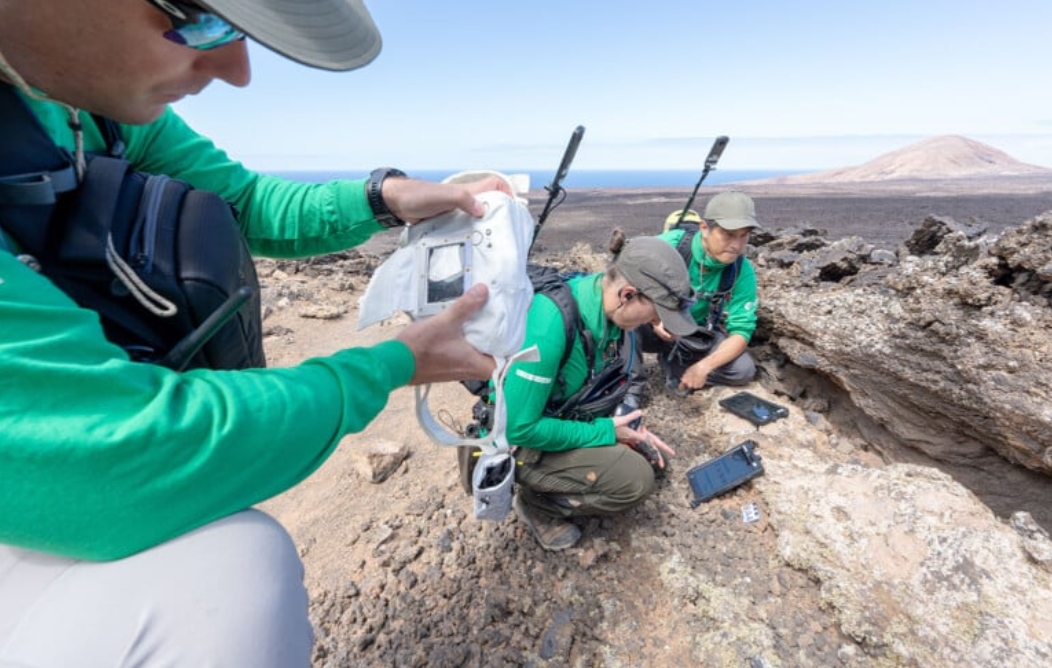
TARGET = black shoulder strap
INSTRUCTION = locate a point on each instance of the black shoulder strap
(683, 246)
(549, 282)
(33, 172)
(729, 275)
(111, 134)
(719, 299)
(32, 168)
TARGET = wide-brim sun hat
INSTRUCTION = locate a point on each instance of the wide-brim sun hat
(328, 34)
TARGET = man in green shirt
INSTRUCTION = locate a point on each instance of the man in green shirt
(126, 535)
(576, 465)
(726, 316)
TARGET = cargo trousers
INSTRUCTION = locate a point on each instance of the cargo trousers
(584, 481)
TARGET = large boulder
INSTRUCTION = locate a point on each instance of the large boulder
(946, 353)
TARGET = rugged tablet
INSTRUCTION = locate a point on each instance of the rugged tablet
(722, 474)
(753, 408)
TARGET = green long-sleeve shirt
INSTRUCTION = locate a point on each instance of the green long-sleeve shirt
(279, 218)
(530, 384)
(101, 457)
(739, 314)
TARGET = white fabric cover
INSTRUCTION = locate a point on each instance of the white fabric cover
(492, 250)
(498, 243)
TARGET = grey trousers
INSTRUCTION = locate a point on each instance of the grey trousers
(228, 594)
(585, 481)
(739, 371)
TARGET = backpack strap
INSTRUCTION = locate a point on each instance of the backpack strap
(562, 296)
(111, 134)
(730, 275)
(683, 245)
(719, 300)
(33, 170)
(727, 277)
(552, 284)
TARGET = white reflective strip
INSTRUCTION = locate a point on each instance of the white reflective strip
(536, 379)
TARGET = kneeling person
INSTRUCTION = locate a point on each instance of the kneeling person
(725, 311)
(571, 463)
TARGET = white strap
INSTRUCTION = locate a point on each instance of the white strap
(494, 441)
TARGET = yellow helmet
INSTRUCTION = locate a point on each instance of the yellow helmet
(691, 216)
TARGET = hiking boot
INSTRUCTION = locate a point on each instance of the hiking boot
(553, 534)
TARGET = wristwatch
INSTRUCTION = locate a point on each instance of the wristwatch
(374, 191)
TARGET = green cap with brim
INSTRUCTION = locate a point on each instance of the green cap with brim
(655, 268)
(328, 34)
(731, 210)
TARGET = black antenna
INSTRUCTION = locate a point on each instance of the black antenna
(181, 354)
(710, 164)
(555, 189)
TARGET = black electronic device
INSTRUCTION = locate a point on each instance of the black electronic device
(568, 156)
(754, 409)
(722, 474)
(710, 164)
(556, 192)
(715, 152)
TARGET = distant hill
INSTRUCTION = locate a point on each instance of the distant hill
(944, 157)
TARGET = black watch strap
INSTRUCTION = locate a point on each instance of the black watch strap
(374, 191)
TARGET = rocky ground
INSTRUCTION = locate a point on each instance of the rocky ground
(401, 574)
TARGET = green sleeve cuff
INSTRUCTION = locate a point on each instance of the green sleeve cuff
(398, 359)
(353, 203)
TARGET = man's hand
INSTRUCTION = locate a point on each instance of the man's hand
(414, 200)
(642, 440)
(695, 376)
(441, 352)
(653, 449)
(663, 333)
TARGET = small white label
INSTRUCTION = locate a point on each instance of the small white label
(750, 513)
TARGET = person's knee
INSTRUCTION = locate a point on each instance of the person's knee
(258, 558)
(249, 583)
(740, 371)
(229, 593)
(630, 482)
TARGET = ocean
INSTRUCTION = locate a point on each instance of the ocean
(582, 178)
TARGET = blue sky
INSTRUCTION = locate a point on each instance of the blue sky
(796, 85)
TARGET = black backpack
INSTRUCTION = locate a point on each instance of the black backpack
(165, 265)
(602, 392)
(719, 299)
(551, 283)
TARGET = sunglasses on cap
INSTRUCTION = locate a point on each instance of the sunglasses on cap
(195, 27)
